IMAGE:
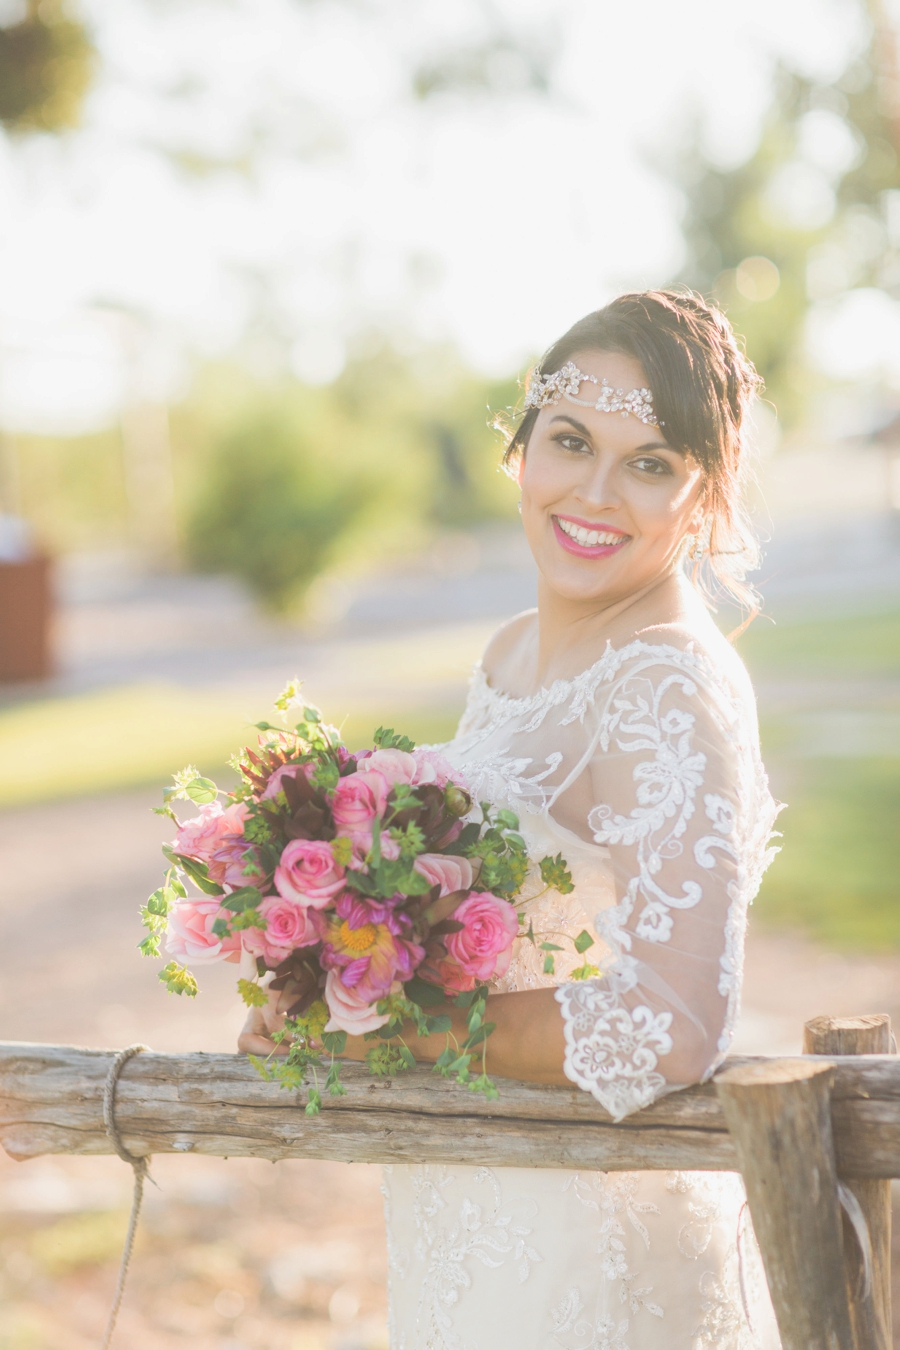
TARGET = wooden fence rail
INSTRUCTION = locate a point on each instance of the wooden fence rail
(804, 1132)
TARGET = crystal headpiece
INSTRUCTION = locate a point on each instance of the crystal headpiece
(547, 389)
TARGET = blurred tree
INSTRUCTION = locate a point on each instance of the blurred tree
(811, 213)
(279, 483)
(46, 65)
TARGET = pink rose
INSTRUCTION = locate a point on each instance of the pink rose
(358, 799)
(448, 974)
(234, 864)
(214, 826)
(308, 873)
(288, 925)
(273, 787)
(395, 765)
(350, 1012)
(439, 869)
(432, 767)
(362, 844)
(189, 935)
(483, 946)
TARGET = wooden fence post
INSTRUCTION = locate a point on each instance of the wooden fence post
(870, 1316)
(779, 1116)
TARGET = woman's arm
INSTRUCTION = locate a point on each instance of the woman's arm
(527, 1042)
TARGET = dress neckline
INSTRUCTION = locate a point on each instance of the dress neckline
(555, 692)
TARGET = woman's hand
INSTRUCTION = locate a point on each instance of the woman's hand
(256, 1033)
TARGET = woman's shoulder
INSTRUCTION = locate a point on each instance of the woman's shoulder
(700, 647)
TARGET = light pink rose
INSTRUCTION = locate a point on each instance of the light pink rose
(228, 865)
(396, 765)
(448, 974)
(358, 799)
(273, 787)
(432, 767)
(350, 1012)
(308, 873)
(362, 843)
(288, 925)
(483, 946)
(189, 935)
(451, 874)
(200, 837)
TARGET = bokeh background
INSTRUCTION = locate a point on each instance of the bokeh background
(268, 269)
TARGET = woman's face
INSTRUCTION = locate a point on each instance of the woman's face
(606, 503)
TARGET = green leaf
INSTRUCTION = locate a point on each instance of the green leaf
(335, 1042)
(425, 994)
(407, 1056)
(585, 972)
(436, 1026)
(508, 819)
(198, 874)
(583, 941)
(201, 791)
(550, 947)
(314, 1105)
(248, 897)
(150, 945)
(178, 979)
(555, 872)
(478, 1036)
(549, 964)
(386, 738)
(333, 1084)
(221, 928)
(250, 992)
(445, 1058)
(464, 999)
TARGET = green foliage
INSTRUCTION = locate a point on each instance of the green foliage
(386, 738)
(555, 873)
(278, 483)
(836, 876)
(252, 994)
(178, 979)
(46, 65)
(734, 214)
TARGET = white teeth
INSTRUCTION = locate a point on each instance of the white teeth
(588, 538)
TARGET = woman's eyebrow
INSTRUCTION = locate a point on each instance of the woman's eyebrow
(639, 450)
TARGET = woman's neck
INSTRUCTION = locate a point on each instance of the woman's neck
(569, 630)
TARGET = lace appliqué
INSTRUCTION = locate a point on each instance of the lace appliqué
(611, 1051)
(446, 1244)
(666, 787)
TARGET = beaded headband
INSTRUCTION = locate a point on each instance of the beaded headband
(549, 389)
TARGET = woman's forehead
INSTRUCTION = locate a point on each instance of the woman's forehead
(619, 369)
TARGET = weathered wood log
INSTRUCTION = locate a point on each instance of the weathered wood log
(870, 1309)
(51, 1102)
(779, 1115)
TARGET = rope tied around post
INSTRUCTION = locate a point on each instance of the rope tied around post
(141, 1173)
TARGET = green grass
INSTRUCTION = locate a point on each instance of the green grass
(142, 734)
(838, 875)
(864, 644)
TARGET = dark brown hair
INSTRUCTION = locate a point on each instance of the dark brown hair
(702, 384)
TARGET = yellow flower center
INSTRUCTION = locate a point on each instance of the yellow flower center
(357, 939)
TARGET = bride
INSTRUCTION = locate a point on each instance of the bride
(620, 725)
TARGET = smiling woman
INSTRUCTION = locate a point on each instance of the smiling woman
(619, 725)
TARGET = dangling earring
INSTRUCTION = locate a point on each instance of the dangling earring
(700, 544)
(519, 505)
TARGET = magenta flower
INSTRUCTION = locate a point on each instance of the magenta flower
(363, 940)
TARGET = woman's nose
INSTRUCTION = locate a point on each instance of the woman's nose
(599, 489)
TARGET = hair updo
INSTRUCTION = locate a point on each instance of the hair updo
(702, 384)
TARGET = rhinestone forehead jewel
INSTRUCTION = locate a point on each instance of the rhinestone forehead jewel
(547, 389)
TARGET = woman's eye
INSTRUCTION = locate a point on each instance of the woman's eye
(657, 468)
(574, 443)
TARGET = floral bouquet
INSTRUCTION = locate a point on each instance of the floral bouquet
(362, 885)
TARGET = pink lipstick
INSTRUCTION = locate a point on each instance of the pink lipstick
(582, 550)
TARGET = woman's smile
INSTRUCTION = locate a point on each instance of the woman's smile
(586, 539)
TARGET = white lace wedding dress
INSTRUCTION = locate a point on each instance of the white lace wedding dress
(644, 772)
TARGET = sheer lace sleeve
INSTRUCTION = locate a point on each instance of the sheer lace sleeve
(671, 785)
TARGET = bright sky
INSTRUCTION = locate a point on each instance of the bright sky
(341, 202)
